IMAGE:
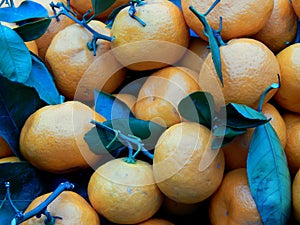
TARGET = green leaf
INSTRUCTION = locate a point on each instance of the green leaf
(102, 141)
(99, 6)
(214, 39)
(229, 132)
(42, 81)
(25, 186)
(17, 103)
(99, 139)
(110, 107)
(26, 10)
(269, 177)
(147, 131)
(223, 136)
(198, 107)
(219, 142)
(242, 116)
(33, 30)
(15, 61)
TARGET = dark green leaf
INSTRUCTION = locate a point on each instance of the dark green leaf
(242, 116)
(17, 103)
(213, 39)
(33, 30)
(268, 175)
(26, 10)
(228, 132)
(100, 139)
(224, 135)
(41, 79)
(15, 61)
(100, 6)
(198, 107)
(25, 186)
(110, 107)
(147, 131)
(111, 18)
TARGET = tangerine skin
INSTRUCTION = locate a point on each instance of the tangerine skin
(123, 192)
(239, 19)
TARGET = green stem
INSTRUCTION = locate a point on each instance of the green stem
(265, 92)
(64, 10)
(214, 38)
(132, 10)
(130, 158)
(61, 99)
(10, 3)
(8, 195)
(128, 140)
(50, 220)
(217, 33)
(42, 208)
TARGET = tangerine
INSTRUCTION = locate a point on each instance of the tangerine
(52, 138)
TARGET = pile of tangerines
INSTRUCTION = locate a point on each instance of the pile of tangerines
(152, 63)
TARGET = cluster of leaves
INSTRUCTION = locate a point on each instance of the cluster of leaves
(26, 84)
(267, 168)
(121, 130)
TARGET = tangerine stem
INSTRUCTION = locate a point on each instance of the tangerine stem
(266, 91)
(132, 11)
(130, 149)
(147, 153)
(7, 186)
(42, 208)
(211, 7)
(212, 40)
(127, 140)
(61, 98)
(64, 10)
(114, 139)
(217, 33)
(10, 3)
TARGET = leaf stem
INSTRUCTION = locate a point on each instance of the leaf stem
(42, 208)
(128, 140)
(214, 38)
(266, 91)
(132, 10)
(65, 10)
(10, 3)
(8, 195)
